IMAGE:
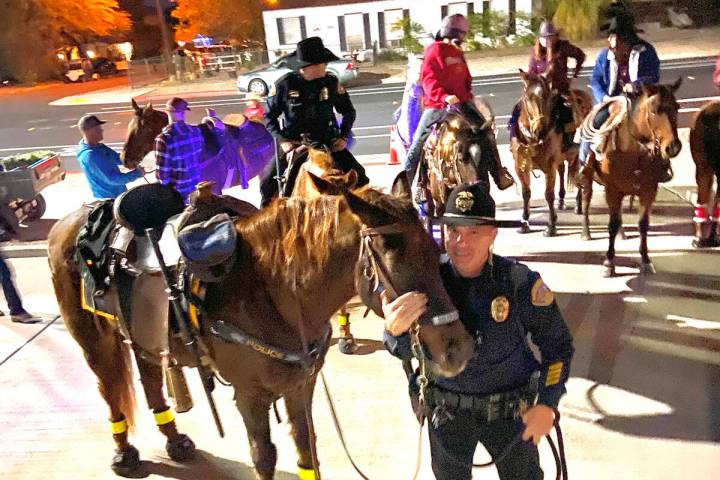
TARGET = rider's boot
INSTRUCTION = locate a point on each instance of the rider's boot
(346, 342)
(500, 174)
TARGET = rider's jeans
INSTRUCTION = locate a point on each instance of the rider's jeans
(429, 117)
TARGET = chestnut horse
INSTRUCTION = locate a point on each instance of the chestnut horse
(645, 140)
(539, 146)
(232, 156)
(705, 149)
(297, 263)
(320, 164)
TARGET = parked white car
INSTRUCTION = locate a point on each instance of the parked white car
(259, 81)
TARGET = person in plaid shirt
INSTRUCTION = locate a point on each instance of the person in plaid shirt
(179, 150)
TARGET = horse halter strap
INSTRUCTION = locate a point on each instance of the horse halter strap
(377, 268)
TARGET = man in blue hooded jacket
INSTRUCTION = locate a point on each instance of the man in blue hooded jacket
(100, 163)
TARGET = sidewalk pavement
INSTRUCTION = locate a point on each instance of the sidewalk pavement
(670, 43)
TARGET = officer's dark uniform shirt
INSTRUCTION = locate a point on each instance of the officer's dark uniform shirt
(308, 107)
(503, 360)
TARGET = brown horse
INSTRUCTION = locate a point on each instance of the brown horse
(231, 157)
(705, 149)
(320, 164)
(539, 146)
(297, 263)
(645, 140)
(453, 154)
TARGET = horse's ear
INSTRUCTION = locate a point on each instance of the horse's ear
(136, 107)
(148, 107)
(351, 179)
(322, 185)
(524, 76)
(675, 86)
(369, 214)
(401, 186)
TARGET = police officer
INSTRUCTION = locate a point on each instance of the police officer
(307, 98)
(504, 391)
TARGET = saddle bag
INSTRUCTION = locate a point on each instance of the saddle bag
(209, 247)
(92, 253)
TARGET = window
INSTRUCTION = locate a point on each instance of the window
(355, 31)
(393, 36)
(459, 7)
(290, 30)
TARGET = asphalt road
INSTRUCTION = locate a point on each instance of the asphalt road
(28, 122)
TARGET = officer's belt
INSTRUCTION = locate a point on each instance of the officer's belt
(493, 407)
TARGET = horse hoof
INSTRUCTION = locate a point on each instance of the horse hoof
(347, 345)
(524, 228)
(550, 231)
(608, 270)
(561, 204)
(702, 243)
(647, 269)
(181, 448)
(126, 461)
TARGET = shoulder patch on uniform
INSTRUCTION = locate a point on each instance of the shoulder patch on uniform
(541, 295)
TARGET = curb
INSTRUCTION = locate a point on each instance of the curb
(203, 93)
(35, 250)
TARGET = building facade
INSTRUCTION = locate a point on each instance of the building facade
(346, 25)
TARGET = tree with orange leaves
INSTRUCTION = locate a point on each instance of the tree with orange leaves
(35, 29)
(235, 21)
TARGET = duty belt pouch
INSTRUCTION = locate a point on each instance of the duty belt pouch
(209, 247)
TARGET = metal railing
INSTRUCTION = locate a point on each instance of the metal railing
(147, 71)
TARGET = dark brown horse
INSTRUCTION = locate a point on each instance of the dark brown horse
(539, 146)
(230, 157)
(297, 263)
(453, 154)
(705, 148)
(645, 140)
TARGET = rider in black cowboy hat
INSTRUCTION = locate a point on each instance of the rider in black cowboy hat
(307, 98)
(503, 391)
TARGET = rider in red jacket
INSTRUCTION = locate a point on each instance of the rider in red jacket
(446, 81)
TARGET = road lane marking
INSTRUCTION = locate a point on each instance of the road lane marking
(672, 349)
(689, 322)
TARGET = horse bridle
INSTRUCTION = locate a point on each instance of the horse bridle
(375, 270)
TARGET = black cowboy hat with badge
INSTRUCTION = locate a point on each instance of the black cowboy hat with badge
(471, 204)
(310, 51)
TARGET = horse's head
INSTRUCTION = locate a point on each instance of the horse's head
(657, 113)
(537, 103)
(320, 163)
(398, 255)
(145, 125)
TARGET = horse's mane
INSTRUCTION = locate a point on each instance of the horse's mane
(291, 238)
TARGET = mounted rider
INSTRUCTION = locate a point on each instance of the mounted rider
(446, 81)
(627, 63)
(307, 99)
(549, 57)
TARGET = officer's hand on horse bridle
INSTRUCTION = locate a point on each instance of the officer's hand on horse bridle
(402, 312)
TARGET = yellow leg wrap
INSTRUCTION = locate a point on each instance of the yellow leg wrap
(118, 427)
(306, 474)
(163, 418)
(343, 319)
